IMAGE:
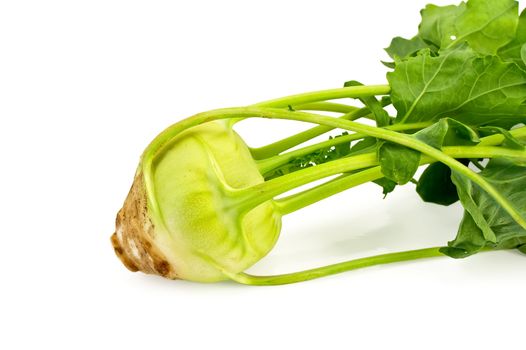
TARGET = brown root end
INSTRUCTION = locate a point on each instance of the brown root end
(121, 254)
(133, 240)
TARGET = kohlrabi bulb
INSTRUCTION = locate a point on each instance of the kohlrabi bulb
(183, 220)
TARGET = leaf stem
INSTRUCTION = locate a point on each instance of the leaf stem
(324, 95)
(404, 140)
(277, 147)
(250, 197)
(305, 198)
(343, 182)
(294, 140)
(484, 152)
(325, 107)
(306, 275)
(497, 139)
(268, 164)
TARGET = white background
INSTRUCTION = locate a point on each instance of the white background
(85, 85)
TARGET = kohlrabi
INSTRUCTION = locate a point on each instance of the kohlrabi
(203, 205)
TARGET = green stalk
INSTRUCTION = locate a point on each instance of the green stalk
(485, 152)
(303, 199)
(268, 164)
(497, 139)
(299, 138)
(306, 275)
(294, 140)
(343, 182)
(325, 107)
(297, 101)
(404, 140)
(250, 197)
(324, 95)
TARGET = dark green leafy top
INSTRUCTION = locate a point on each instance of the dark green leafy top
(461, 84)
(464, 73)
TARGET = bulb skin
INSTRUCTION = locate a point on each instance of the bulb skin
(183, 221)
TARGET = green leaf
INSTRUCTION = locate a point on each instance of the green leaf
(386, 100)
(398, 162)
(485, 223)
(515, 51)
(376, 108)
(460, 84)
(368, 144)
(448, 132)
(487, 25)
(435, 185)
(469, 240)
(438, 24)
(466, 190)
(519, 243)
(388, 186)
(344, 148)
(401, 48)
(388, 64)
